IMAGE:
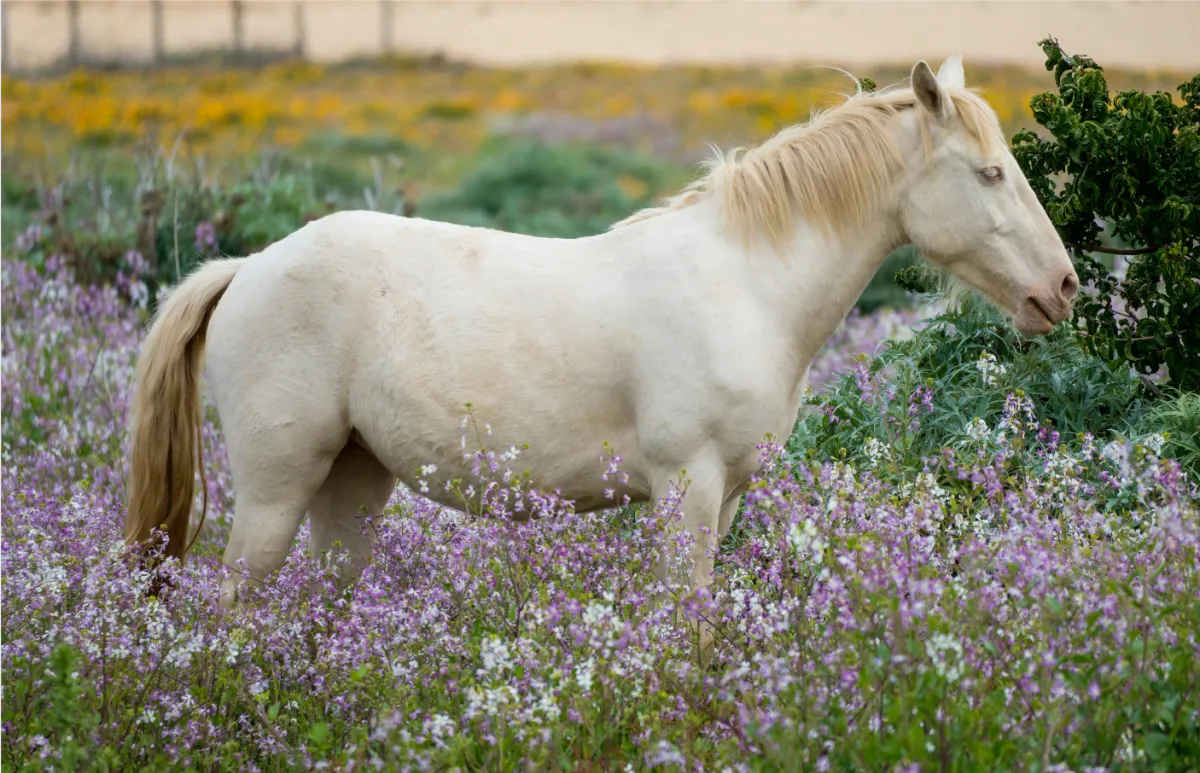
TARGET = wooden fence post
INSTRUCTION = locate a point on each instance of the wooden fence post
(386, 42)
(4, 65)
(74, 46)
(156, 13)
(298, 26)
(238, 34)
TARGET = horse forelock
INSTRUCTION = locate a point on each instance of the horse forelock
(834, 168)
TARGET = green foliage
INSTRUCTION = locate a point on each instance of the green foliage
(920, 396)
(885, 288)
(94, 218)
(526, 187)
(1131, 160)
(59, 711)
(20, 204)
(1178, 420)
(560, 191)
(963, 365)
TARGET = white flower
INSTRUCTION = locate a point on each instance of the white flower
(876, 451)
(1115, 451)
(495, 654)
(990, 369)
(439, 727)
(584, 674)
(489, 702)
(927, 484)
(978, 429)
(804, 540)
(596, 612)
(945, 652)
(547, 705)
(1154, 442)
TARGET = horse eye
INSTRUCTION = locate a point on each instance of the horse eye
(992, 174)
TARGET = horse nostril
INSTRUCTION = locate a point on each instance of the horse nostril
(1070, 285)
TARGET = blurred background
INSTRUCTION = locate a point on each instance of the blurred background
(180, 129)
(40, 33)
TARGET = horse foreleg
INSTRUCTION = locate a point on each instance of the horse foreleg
(703, 487)
(706, 510)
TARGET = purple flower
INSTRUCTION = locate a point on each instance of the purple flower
(206, 238)
(29, 238)
(1014, 580)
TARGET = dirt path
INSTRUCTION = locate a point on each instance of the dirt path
(1139, 34)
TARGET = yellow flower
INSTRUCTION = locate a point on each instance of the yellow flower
(234, 112)
(701, 102)
(510, 100)
(631, 186)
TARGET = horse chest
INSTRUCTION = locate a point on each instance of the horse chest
(734, 415)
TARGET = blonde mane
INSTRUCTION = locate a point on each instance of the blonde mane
(833, 168)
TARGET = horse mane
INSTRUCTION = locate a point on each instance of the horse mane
(833, 168)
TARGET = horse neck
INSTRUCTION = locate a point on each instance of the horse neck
(807, 291)
(822, 278)
(810, 288)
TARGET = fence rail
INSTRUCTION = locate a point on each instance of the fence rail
(1141, 34)
(85, 28)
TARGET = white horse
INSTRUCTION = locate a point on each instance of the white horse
(341, 356)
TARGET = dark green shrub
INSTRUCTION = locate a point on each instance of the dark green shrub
(963, 365)
(19, 200)
(883, 289)
(541, 189)
(1131, 160)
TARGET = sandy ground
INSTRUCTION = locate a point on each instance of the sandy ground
(1141, 34)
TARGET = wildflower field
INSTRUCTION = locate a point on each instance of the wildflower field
(976, 551)
(437, 115)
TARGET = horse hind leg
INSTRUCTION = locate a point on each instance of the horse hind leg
(358, 485)
(276, 475)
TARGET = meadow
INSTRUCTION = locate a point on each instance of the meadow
(976, 551)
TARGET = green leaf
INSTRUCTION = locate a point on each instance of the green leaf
(318, 733)
(1157, 745)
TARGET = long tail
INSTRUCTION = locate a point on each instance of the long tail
(166, 413)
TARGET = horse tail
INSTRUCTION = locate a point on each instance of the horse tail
(166, 416)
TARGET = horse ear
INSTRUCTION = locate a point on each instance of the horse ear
(950, 74)
(930, 93)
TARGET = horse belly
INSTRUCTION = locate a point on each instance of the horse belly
(412, 413)
(435, 455)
